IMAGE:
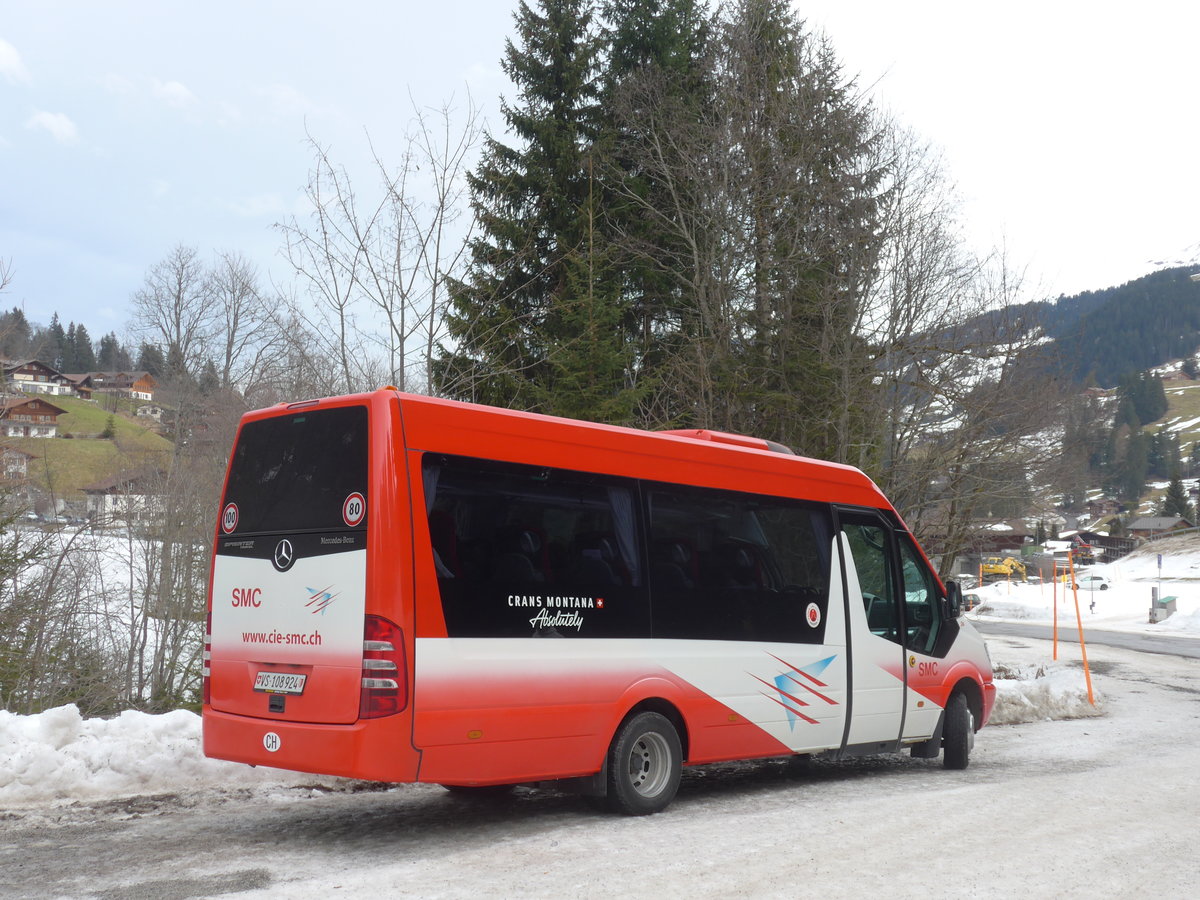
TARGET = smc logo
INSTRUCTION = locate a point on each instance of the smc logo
(247, 596)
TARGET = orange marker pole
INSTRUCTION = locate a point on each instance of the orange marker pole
(1055, 580)
(1087, 674)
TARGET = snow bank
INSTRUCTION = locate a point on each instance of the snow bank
(1037, 693)
(60, 755)
(1186, 623)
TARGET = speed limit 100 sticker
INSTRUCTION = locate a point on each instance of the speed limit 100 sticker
(229, 518)
(354, 509)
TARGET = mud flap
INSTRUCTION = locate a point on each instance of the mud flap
(584, 785)
(931, 748)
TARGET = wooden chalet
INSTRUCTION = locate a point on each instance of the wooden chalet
(1150, 526)
(137, 385)
(32, 376)
(29, 417)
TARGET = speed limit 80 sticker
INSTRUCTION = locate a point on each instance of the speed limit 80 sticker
(354, 509)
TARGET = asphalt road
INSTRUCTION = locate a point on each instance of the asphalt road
(1167, 644)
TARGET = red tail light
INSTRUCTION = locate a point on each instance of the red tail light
(384, 671)
(206, 671)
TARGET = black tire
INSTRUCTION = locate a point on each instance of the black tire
(957, 733)
(1104, 587)
(645, 763)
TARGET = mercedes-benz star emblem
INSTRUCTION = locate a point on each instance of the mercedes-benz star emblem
(284, 555)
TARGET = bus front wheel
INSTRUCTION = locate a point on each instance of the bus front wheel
(645, 762)
(957, 733)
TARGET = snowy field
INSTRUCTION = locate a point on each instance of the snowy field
(1123, 606)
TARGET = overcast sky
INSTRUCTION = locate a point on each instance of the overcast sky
(127, 127)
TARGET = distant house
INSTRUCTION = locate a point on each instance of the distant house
(1102, 508)
(1152, 525)
(138, 385)
(132, 498)
(81, 382)
(29, 417)
(14, 463)
(150, 411)
(34, 377)
(1006, 537)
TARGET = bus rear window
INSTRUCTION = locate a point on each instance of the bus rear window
(302, 472)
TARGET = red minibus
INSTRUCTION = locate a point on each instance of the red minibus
(408, 589)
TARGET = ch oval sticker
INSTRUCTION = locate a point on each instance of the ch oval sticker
(271, 741)
(354, 509)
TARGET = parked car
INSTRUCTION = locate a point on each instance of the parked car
(1092, 582)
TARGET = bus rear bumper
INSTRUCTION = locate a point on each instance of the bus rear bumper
(374, 749)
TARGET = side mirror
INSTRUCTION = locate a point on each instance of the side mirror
(954, 600)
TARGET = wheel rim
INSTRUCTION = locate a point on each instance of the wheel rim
(649, 764)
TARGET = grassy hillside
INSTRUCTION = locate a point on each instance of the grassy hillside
(1183, 412)
(66, 465)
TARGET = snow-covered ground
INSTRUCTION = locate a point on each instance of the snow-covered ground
(1123, 606)
(1071, 801)
(1062, 798)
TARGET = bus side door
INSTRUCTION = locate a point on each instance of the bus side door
(875, 630)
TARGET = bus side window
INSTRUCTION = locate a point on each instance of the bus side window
(921, 607)
(733, 566)
(871, 548)
(524, 551)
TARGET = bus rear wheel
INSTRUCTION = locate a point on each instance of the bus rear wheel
(957, 733)
(645, 763)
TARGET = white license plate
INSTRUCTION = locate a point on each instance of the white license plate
(280, 682)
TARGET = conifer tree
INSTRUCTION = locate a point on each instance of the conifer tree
(537, 267)
(56, 343)
(66, 361)
(1175, 502)
(770, 233)
(150, 359)
(84, 353)
(655, 48)
(112, 357)
(14, 334)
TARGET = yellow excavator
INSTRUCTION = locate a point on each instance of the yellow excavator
(1008, 567)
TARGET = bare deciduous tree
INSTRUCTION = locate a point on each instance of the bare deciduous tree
(245, 338)
(963, 409)
(764, 211)
(174, 308)
(384, 262)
